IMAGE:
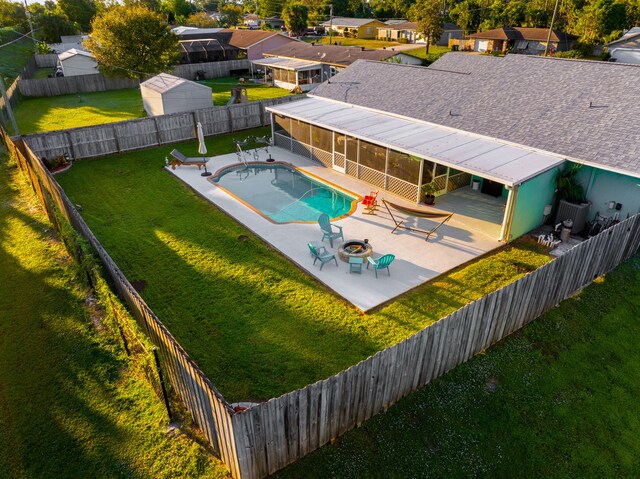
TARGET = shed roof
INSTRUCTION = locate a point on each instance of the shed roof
(552, 104)
(493, 159)
(73, 52)
(331, 54)
(349, 22)
(628, 35)
(164, 82)
(523, 33)
(287, 63)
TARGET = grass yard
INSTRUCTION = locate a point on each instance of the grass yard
(86, 109)
(69, 405)
(421, 51)
(256, 324)
(13, 57)
(557, 400)
(352, 42)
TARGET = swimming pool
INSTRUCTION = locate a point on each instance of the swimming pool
(284, 194)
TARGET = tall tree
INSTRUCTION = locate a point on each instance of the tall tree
(269, 8)
(11, 14)
(80, 12)
(427, 14)
(467, 16)
(296, 18)
(202, 20)
(52, 25)
(230, 15)
(133, 41)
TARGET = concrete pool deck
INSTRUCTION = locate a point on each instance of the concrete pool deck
(416, 262)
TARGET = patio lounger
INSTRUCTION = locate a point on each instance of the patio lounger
(418, 213)
(178, 158)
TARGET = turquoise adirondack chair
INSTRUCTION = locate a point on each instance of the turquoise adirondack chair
(381, 263)
(321, 254)
(328, 229)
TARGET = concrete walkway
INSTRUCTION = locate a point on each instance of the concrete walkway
(416, 261)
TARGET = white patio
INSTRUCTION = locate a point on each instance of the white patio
(460, 240)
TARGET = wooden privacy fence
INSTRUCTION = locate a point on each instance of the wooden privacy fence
(265, 438)
(210, 69)
(119, 137)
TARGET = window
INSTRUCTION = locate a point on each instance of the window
(368, 30)
(427, 171)
(373, 156)
(340, 142)
(282, 125)
(441, 170)
(404, 167)
(300, 131)
(352, 148)
(322, 139)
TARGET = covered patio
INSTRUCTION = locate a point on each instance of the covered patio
(416, 260)
(287, 73)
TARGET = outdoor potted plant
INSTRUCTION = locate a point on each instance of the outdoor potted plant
(572, 202)
(429, 189)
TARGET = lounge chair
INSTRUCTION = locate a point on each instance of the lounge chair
(370, 203)
(321, 253)
(381, 263)
(179, 159)
(328, 229)
(444, 216)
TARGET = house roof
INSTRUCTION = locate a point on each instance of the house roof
(164, 82)
(247, 38)
(189, 31)
(205, 44)
(404, 25)
(349, 22)
(394, 21)
(330, 54)
(73, 52)
(523, 33)
(287, 63)
(628, 35)
(493, 159)
(584, 110)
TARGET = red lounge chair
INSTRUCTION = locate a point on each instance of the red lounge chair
(370, 203)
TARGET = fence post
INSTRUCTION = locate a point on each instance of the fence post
(164, 389)
(230, 119)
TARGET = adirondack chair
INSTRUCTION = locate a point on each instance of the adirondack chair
(370, 203)
(328, 229)
(381, 263)
(321, 254)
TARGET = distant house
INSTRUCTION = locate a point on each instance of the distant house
(626, 49)
(354, 27)
(519, 40)
(306, 65)
(251, 20)
(67, 42)
(255, 42)
(189, 33)
(77, 62)
(165, 94)
(275, 22)
(500, 130)
(408, 32)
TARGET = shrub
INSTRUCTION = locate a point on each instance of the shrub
(403, 40)
(569, 54)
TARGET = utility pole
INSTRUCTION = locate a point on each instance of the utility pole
(8, 106)
(553, 19)
(28, 14)
(330, 24)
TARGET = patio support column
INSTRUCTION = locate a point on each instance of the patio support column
(273, 130)
(297, 79)
(508, 213)
(420, 181)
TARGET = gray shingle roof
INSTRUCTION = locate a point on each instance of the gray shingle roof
(331, 54)
(539, 102)
(348, 22)
(164, 82)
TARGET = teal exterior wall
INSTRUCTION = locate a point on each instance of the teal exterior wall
(602, 187)
(533, 196)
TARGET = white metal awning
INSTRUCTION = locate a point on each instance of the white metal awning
(287, 64)
(494, 159)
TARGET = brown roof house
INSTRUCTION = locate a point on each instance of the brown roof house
(354, 27)
(305, 65)
(407, 32)
(256, 42)
(519, 40)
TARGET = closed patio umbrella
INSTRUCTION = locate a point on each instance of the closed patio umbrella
(202, 147)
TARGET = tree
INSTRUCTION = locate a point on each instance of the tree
(202, 20)
(11, 14)
(177, 8)
(133, 41)
(53, 25)
(426, 13)
(230, 15)
(296, 18)
(269, 8)
(80, 12)
(466, 15)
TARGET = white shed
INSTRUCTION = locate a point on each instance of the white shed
(76, 62)
(164, 94)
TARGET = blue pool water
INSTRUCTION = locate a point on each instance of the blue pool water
(284, 194)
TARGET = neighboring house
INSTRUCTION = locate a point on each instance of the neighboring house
(164, 94)
(255, 42)
(506, 124)
(306, 64)
(67, 42)
(407, 32)
(627, 48)
(77, 62)
(519, 40)
(190, 33)
(207, 50)
(275, 22)
(251, 20)
(365, 28)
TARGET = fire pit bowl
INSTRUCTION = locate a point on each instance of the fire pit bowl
(354, 249)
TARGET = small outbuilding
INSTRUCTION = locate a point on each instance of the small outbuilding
(76, 62)
(626, 49)
(165, 94)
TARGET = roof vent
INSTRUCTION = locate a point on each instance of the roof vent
(362, 48)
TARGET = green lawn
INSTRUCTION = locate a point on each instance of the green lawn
(557, 400)
(256, 324)
(351, 42)
(421, 51)
(13, 57)
(86, 109)
(70, 407)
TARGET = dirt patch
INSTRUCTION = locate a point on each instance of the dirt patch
(139, 285)
(243, 238)
(492, 384)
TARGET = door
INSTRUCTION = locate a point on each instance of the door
(339, 152)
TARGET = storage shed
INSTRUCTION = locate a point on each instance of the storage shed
(77, 62)
(165, 94)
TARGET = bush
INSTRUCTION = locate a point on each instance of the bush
(403, 40)
(569, 54)
(431, 57)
